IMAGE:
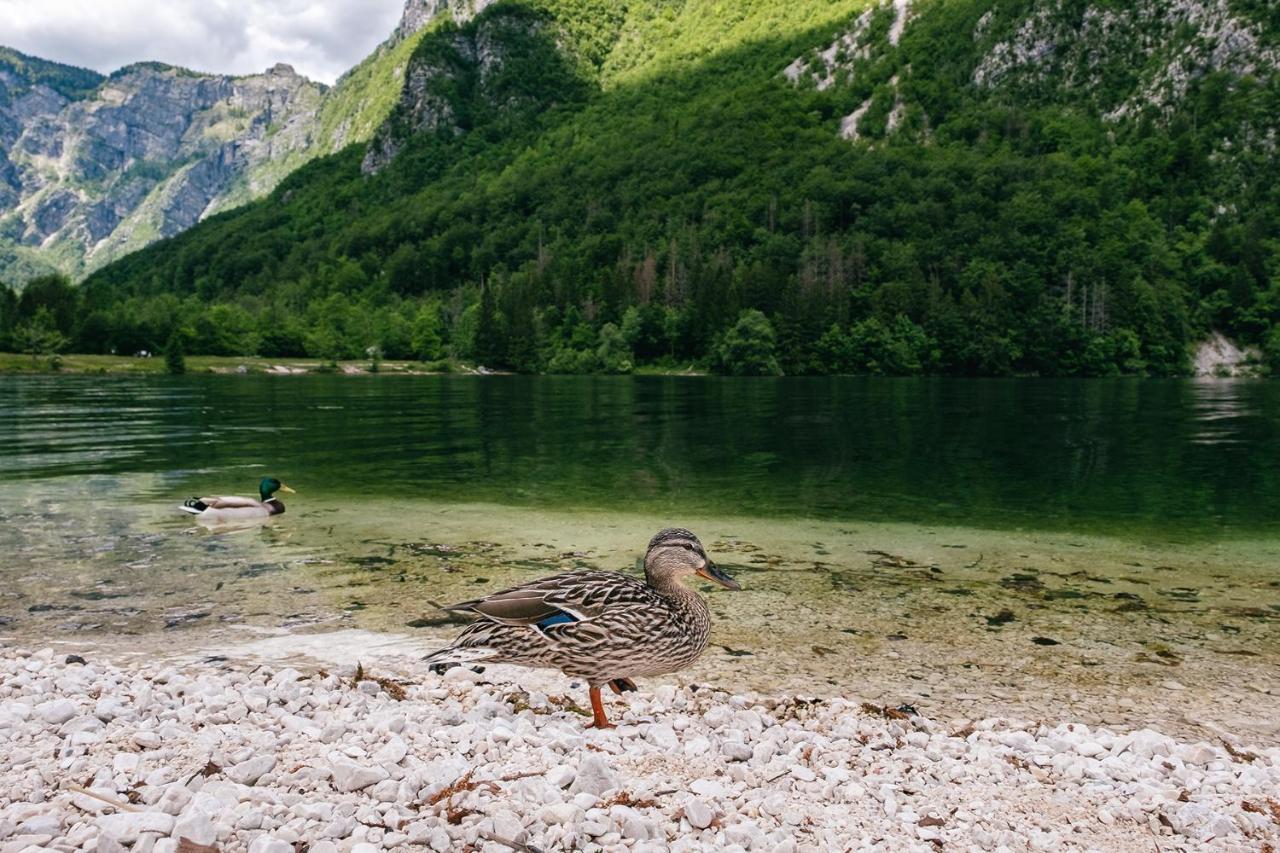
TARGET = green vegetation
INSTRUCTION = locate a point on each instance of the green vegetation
(748, 348)
(661, 195)
(67, 80)
(175, 356)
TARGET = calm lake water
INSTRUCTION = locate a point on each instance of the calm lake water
(1150, 458)
(969, 547)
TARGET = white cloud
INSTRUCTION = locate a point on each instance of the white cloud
(320, 38)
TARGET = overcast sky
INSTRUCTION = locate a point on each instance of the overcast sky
(320, 38)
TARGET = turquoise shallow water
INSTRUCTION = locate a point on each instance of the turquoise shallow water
(967, 547)
(1150, 459)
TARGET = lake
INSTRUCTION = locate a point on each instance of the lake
(892, 535)
(1159, 458)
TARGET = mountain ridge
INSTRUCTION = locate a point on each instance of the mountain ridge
(74, 211)
(684, 187)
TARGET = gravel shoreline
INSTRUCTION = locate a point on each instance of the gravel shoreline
(271, 759)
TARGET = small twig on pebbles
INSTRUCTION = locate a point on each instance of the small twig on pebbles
(111, 801)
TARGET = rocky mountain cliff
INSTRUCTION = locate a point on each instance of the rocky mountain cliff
(146, 153)
(93, 167)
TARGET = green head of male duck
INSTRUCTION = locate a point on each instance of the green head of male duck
(269, 486)
(675, 553)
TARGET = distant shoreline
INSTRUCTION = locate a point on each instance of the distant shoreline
(19, 364)
(16, 364)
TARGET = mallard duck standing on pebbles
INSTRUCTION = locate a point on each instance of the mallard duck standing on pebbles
(219, 510)
(602, 627)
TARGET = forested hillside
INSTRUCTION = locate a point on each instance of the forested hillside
(970, 186)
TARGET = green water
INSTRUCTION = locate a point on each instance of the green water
(1156, 459)
(967, 547)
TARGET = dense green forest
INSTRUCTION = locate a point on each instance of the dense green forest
(635, 183)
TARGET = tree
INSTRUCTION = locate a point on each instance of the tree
(749, 347)
(175, 361)
(53, 294)
(38, 336)
(613, 354)
(425, 338)
(8, 314)
(490, 346)
(1271, 352)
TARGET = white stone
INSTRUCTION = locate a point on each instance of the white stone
(698, 813)
(127, 826)
(560, 813)
(174, 799)
(45, 824)
(250, 771)
(269, 844)
(393, 752)
(595, 776)
(507, 825)
(195, 826)
(561, 776)
(146, 740)
(57, 711)
(663, 737)
(348, 777)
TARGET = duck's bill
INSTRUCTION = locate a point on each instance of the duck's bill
(712, 572)
(285, 488)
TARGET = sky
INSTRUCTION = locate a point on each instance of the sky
(319, 38)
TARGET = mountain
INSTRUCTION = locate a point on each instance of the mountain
(94, 167)
(98, 166)
(1055, 187)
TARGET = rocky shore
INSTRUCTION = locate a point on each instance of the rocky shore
(234, 756)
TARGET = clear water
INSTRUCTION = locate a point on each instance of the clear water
(1164, 459)
(910, 540)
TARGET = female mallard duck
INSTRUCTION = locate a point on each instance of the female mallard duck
(223, 509)
(602, 627)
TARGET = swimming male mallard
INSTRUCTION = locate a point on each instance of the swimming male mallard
(222, 509)
(602, 627)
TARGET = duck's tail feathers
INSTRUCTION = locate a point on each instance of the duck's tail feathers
(448, 658)
(195, 506)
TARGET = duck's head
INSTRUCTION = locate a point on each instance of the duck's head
(675, 553)
(270, 485)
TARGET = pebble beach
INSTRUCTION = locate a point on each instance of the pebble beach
(157, 757)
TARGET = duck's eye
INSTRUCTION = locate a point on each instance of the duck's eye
(688, 547)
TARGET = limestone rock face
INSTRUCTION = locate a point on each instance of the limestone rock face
(419, 13)
(147, 153)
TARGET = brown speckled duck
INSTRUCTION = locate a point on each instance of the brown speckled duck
(602, 627)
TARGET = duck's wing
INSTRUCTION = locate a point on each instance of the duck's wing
(229, 502)
(570, 597)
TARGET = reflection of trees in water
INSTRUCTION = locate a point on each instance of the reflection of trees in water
(1101, 454)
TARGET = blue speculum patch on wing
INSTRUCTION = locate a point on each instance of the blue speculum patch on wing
(556, 619)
